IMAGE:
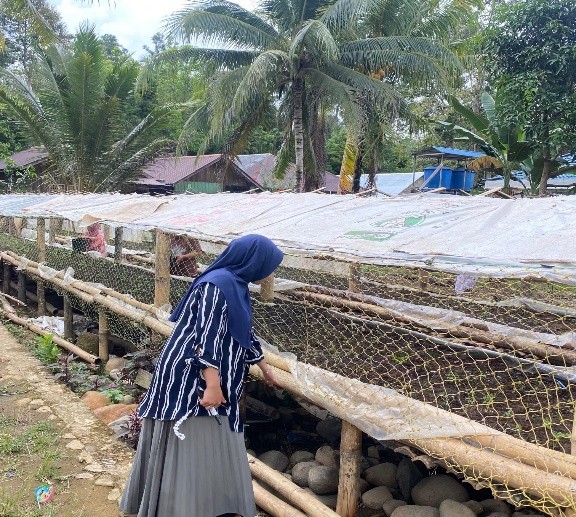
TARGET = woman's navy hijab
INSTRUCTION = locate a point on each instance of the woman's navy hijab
(247, 259)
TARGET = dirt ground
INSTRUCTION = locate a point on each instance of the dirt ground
(47, 435)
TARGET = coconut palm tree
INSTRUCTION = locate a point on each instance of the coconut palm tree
(289, 53)
(75, 112)
(410, 45)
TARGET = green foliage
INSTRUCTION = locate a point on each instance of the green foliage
(115, 395)
(46, 350)
(76, 112)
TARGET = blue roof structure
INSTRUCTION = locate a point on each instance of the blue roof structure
(449, 153)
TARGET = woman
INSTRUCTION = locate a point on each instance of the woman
(188, 463)
(96, 239)
(184, 250)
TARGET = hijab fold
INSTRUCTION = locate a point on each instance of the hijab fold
(247, 259)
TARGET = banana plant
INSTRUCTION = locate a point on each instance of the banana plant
(507, 144)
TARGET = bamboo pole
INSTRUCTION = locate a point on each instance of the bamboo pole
(290, 491)
(118, 241)
(68, 319)
(354, 278)
(272, 504)
(423, 279)
(7, 273)
(49, 308)
(573, 437)
(53, 229)
(162, 270)
(471, 331)
(66, 345)
(349, 481)
(21, 287)
(267, 289)
(41, 243)
(103, 351)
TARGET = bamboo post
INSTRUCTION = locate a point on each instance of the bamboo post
(349, 484)
(118, 239)
(103, 351)
(573, 437)
(41, 243)
(267, 289)
(68, 319)
(423, 278)
(354, 278)
(272, 504)
(162, 269)
(52, 230)
(21, 287)
(6, 278)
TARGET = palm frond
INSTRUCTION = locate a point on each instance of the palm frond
(217, 28)
(317, 40)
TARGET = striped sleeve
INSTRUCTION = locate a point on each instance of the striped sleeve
(211, 327)
(254, 355)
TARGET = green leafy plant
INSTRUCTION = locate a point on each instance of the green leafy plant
(46, 349)
(114, 395)
(400, 358)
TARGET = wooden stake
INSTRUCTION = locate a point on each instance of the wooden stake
(50, 309)
(68, 319)
(53, 229)
(354, 278)
(162, 269)
(423, 278)
(21, 286)
(118, 240)
(41, 242)
(573, 437)
(103, 351)
(349, 485)
(6, 278)
(267, 289)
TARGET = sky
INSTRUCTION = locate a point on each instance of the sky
(133, 22)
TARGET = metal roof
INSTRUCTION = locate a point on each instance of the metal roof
(171, 170)
(26, 157)
(448, 153)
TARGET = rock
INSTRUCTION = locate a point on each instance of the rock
(322, 479)
(23, 402)
(115, 363)
(275, 459)
(326, 455)
(411, 510)
(408, 476)
(95, 400)
(329, 500)
(69, 436)
(85, 457)
(84, 475)
(44, 409)
(251, 452)
(104, 481)
(431, 491)
(364, 486)
(300, 472)
(376, 497)
(449, 508)
(36, 403)
(329, 429)
(120, 426)
(373, 452)
(495, 506)
(52, 417)
(391, 505)
(114, 495)
(88, 342)
(128, 399)
(94, 467)
(383, 474)
(498, 514)
(523, 514)
(300, 456)
(113, 412)
(75, 445)
(475, 506)
(287, 476)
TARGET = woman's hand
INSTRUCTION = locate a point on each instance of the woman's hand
(212, 398)
(269, 377)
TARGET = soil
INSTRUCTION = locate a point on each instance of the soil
(64, 419)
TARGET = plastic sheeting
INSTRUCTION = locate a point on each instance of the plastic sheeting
(474, 235)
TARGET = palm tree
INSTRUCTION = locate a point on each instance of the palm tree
(409, 45)
(75, 112)
(286, 53)
(507, 144)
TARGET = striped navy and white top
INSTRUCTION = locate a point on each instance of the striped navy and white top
(200, 339)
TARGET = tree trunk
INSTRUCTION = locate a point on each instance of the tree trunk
(358, 168)
(297, 92)
(542, 190)
(348, 165)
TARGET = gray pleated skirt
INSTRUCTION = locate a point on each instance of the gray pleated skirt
(204, 475)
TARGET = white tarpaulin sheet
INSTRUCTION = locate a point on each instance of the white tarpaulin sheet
(473, 235)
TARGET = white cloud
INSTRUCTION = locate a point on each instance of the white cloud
(133, 22)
